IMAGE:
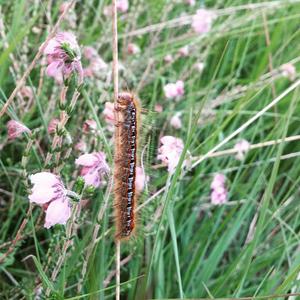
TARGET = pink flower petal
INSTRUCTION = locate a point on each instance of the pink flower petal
(44, 178)
(140, 179)
(51, 46)
(168, 58)
(94, 167)
(202, 21)
(176, 121)
(81, 146)
(180, 88)
(58, 212)
(184, 51)
(89, 126)
(90, 53)
(54, 69)
(42, 194)
(170, 90)
(122, 5)
(133, 49)
(167, 139)
(87, 160)
(288, 70)
(170, 152)
(219, 191)
(108, 112)
(15, 129)
(52, 125)
(92, 178)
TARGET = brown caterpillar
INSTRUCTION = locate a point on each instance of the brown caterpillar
(126, 138)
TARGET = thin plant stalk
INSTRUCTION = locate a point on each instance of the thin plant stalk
(117, 131)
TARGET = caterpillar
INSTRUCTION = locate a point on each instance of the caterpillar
(126, 144)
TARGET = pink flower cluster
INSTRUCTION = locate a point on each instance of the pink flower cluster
(168, 58)
(289, 71)
(81, 146)
(96, 64)
(53, 125)
(175, 121)
(63, 55)
(158, 108)
(218, 189)
(89, 125)
(122, 7)
(49, 192)
(94, 167)
(241, 147)
(27, 92)
(174, 90)
(15, 129)
(133, 49)
(203, 20)
(184, 51)
(199, 66)
(169, 152)
(108, 114)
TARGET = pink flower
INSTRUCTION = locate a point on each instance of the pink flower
(176, 121)
(89, 126)
(289, 71)
(218, 189)
(200, 66)
(63, 6)
(184, 51)
(170, 90)
(94, 167)
(53, 125)
(191, 2)
(141, 179)
(108, 113)
(122, 5)
(242, 147)
(133, 49)
(174, 90)
(168, 58)
(46, 187)
(63, 56)
(26, 92)
(58, 212)
(70, 16)
(158, 108)
(81, 146)
(218, 181)
(15, 129)
(97, 65)
(107, 10)
(90, 53)
(219, 196)
(169, 152)
(203, 20)
(49, 192)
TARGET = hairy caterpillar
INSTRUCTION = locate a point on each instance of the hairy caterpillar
(126, 138)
